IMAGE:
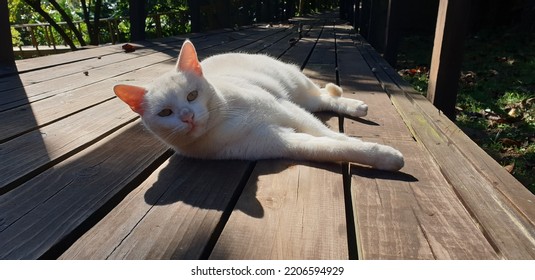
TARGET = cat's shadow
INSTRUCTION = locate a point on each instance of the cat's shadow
(361, 120)
(209, 185)
(230, 185)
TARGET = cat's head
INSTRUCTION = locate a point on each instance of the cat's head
(175, 106)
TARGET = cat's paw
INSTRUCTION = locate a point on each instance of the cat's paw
(356, 108)
(361, 110)
(389, 159)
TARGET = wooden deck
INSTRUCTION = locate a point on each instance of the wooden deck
(80, 178)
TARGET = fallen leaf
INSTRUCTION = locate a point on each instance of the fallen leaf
(510, 167)
(128, 48)
(514, 112)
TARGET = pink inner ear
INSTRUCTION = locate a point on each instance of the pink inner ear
(131, 95)
(187, 59)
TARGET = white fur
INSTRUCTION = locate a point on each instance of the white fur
(255, 107)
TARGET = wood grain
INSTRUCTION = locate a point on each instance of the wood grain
(82, 179)
(171, 215)
(44, 147)
(413, 214)
(383, 120)
(506, 228)
(174, 213)
(289, 209)
(61, 199)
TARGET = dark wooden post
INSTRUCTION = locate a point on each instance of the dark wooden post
(137, 20)
(269, 11)
(194, 7)
(377, 28)
(347, 10)
(7, 57)
(290, 9)
(394, 21)
(364, 21)
(223, 10)
(276, 10)
(356, 14)
(446, 61)
(258, 11)
(343, 8)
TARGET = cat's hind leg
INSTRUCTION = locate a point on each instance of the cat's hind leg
(331, 99)
(275, 141)
(300, 120)
(304, 146)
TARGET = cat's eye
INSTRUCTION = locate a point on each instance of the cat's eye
(192, 96)
(165, 113)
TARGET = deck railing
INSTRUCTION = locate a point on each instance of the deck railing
(42, 35)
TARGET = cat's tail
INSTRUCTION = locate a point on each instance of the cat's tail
(333, 90)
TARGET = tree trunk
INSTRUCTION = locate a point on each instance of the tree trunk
(36, 5)
(96, 22)
(92, 28)
(87, 20)
(69, 22)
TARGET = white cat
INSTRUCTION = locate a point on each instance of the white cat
(246, 106)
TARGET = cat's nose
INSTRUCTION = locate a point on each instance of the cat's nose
(186, 116)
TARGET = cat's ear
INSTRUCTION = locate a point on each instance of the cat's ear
(187, 59)
(131, 95)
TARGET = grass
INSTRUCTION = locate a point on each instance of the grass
(496, 99)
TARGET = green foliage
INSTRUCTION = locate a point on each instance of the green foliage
(15, 38)
(20, 12)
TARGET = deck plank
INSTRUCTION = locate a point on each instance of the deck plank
(413, 214)
(22, 215)
(260, 226)
(44, 62)
(507, 230)
(517, 195)
(142, 70)
(81, 178)
(390, 202)
(400, 202)
(42, 148)
(181, 221)
(383, 121)
(288, 210)
(35, 77)
(168, 216)
(96, 58)
(109, 67)
(63, 198)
